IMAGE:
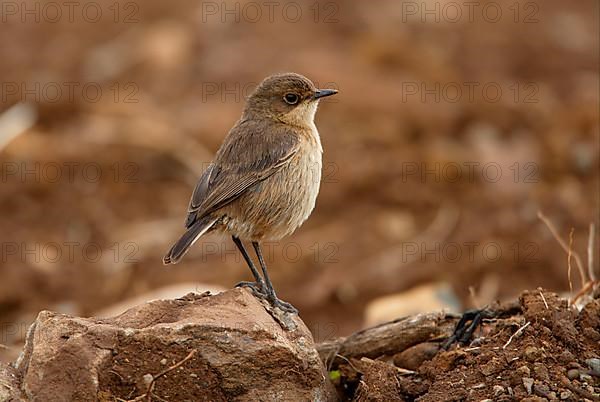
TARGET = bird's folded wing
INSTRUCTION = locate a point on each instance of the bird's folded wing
(243, 161)
(199, 194)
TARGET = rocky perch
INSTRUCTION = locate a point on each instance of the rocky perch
(232, 347)
(225, 347)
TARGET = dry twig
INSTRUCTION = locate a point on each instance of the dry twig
(148, 394)
(590, 253)
(564, 246)
(517, 333)
(569, 255)
(388, 338)
(543, 298)
(588, 286)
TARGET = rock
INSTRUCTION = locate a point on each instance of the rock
(9, 384)
(541, 372)
(573, 374)
(541, 390)
(528, 384)
(493, 366)
(591, 334)
(565, 395)
(413, 357)
(532, 354)
(498, 390)
(565, 357)
(237, 350)
(449, 360)
(165, 292)
(524, 371)
(594, 365)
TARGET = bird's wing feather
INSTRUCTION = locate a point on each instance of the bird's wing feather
(251, 153)
(199, 194)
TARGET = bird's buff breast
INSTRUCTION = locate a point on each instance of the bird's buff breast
(277, 206)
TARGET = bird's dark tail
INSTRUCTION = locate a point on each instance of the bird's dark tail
(187, 240)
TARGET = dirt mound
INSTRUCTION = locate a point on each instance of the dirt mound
(538, 350)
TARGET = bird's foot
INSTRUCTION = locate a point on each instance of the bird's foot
(257, 288)
(283, 306)
(466, 326)
(259, 291)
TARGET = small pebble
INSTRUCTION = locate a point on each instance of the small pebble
(542, 390)
(585, 378)
(163, 361)
(498, 389)
(565, 395)
(594, 365)
(541, 372)
(147, 378)
(477, 342)
(524, 371)
(194, 375)
(566, 357)
(534, 399)
(491, 367)
(532, 353)
(413, 357)
(591, 334)
(573, 374)
(528, 384)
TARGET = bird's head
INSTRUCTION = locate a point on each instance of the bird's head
(290, 98)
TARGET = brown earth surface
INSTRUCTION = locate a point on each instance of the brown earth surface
(546, 352)
(370, 211)
(231, 346)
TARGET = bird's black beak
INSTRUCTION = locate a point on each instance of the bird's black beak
(321, 93)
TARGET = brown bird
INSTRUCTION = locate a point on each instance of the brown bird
(264, 180)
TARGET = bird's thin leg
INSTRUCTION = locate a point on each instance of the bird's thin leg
(270, 291)
(257, 287)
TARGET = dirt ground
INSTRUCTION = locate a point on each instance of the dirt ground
(547, 352)
(382, 224)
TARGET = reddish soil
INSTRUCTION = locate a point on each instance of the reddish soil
(554, 357)
(370, 207)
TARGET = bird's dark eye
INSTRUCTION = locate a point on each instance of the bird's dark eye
(291, 99)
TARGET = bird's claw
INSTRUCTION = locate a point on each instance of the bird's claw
(257, 288)
(284, 306)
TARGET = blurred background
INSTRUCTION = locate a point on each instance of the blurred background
(456, 122)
